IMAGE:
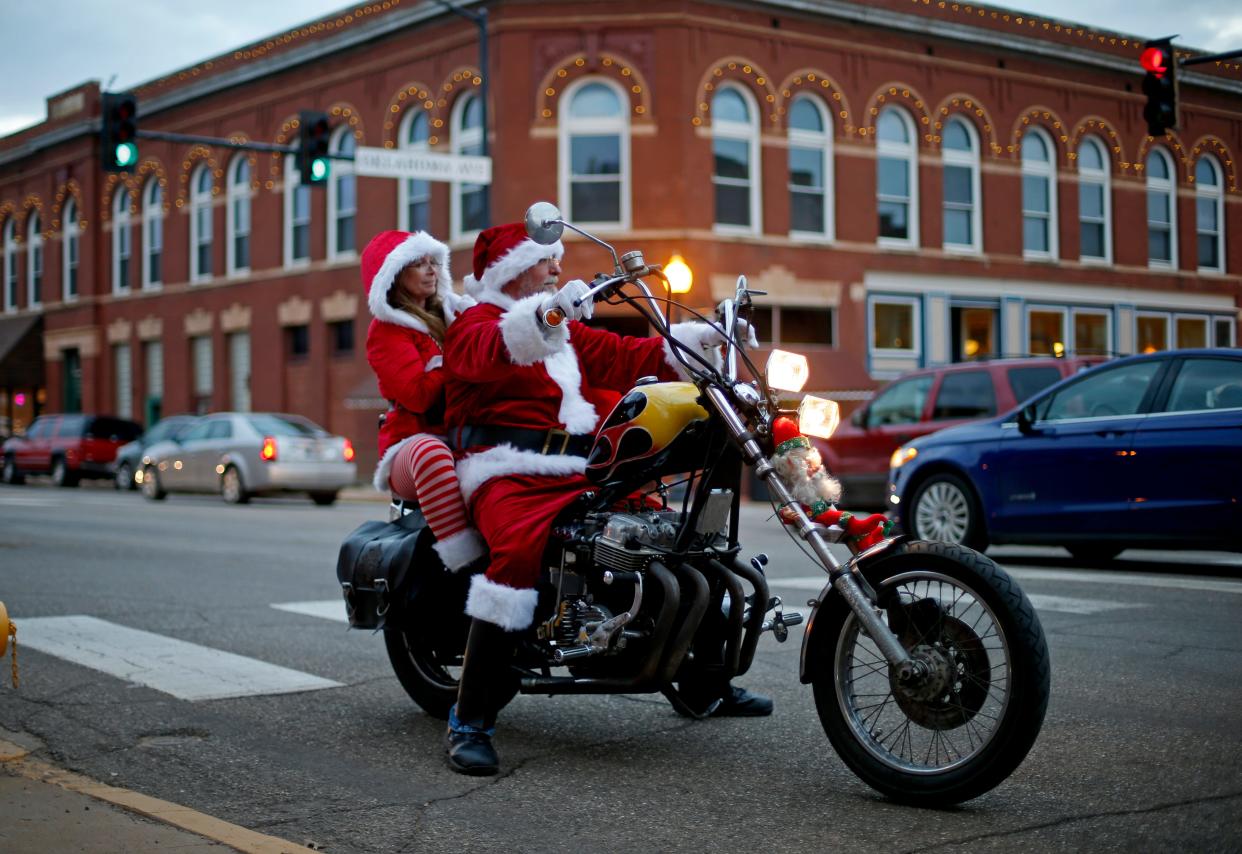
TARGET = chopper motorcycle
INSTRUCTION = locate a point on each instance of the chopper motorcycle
(928, 664)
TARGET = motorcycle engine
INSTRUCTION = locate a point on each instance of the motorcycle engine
(630, 541)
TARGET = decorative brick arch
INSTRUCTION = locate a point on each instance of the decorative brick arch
(112, 184)
(737, 70)
(814, 81)
(461, 81)
(32, 203)
(147, 169)
(197, 155)
(7, 211)
(284, 136)
(1215, 145)
(576, 66)
(1047, 119)
(69, 189)
(344, 113)
(968, 106)
(1100, 127)
(900, 94)
(251, 156)
(414, 95)
(1177, 149)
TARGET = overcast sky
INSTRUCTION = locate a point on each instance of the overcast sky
(48, 46)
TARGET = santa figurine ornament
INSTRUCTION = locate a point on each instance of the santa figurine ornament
(801, 468)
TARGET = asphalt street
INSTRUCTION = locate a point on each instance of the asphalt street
(306, 735)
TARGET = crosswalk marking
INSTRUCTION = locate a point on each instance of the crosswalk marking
(1131, 579)
(328, 609)
(185, 670)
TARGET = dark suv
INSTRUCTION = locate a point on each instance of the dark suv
(925, 401)
(69, 447)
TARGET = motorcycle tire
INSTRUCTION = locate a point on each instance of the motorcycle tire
(954, 735)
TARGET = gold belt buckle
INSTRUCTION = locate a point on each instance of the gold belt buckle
(547, 440)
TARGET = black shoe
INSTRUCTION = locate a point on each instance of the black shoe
(740, 703)
(471, 752)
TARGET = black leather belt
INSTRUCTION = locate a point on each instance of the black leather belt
(554, 441)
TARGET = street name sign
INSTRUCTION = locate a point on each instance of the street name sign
(422, 165)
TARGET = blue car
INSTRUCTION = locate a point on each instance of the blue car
(1141, 452)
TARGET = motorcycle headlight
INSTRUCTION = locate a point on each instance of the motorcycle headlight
(787, 371)
(818, 417)
(901, 456)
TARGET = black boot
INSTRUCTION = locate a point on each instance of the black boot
(484, 688)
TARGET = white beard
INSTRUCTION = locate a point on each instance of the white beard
(802, 470)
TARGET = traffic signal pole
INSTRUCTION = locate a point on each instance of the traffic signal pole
(1211, 57)
(480, 21)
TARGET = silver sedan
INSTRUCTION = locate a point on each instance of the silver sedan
(242, 454)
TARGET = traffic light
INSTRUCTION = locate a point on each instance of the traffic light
(314, 133)
(1160, 86)
(118, 132)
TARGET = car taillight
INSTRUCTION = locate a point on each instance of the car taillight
(268, 452)
(349, 451)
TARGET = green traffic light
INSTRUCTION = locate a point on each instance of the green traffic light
(319, 169)
(126, 154)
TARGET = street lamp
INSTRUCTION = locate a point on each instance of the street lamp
(680, 276)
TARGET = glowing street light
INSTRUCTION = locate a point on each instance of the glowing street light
(680, 276)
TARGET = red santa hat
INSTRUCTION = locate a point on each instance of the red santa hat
(388, 253)
(501, 254)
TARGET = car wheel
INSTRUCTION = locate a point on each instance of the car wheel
(61, 476)
(232, 489)
(124, 477)
(11, 475)
(1095, 552)
(324, 499)
(151, 488)
(945, 509)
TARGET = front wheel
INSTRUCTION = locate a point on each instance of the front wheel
(61, 476)
(152, 489)
(11, 474)
(970, 719)
(232, 487)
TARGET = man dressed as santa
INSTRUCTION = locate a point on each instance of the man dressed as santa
(527, 384)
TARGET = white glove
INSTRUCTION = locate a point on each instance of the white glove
(562, 302)
(433, 363)
(744, 332)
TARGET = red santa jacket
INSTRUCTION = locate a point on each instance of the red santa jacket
(407, 364)
(506, 369)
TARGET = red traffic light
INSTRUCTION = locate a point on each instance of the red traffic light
(1155, 60)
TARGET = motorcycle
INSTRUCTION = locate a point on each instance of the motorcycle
(928, 664)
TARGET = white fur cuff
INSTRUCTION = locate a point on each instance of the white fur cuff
(508, 607)
(525, 336)
(461, 549)
(477, 469)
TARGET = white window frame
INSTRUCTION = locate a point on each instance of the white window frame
(202, 369)
(404, 196)
(293, 185)
(1233, 329)
(1096, 177)
(1168, 327)
(342, 170)
(122, 242)
(34, 261)
(153, 365)
(970, 160)
(1167, 187)
(70, 252)
(1216, 195)
(916, 322)
(200, 209)
(748, 132)
(1107, 314)
(123, 379)
(1046, 309)
(239, 196)
(152, 227)
(619, 125)
(10, 265)
(240, 399)
(908, 152)
(1209, 328)
(1047, 171)
(821, 141)
(459, 140)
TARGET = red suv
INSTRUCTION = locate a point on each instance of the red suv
(925, 401)
(68, 447)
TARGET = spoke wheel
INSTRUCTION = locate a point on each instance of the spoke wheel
(945, 510)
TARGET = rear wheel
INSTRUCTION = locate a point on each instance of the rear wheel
(324, 499)
(946, 510)
(152, 490)
(232, 488)
(61, 476)
(10, 474)
(124, 477)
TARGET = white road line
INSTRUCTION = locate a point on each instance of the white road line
(185, 670)
(28, 502)
(1130, 579)
(1069, 605)
(327, 609)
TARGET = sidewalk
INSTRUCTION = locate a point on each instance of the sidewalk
(44, 808)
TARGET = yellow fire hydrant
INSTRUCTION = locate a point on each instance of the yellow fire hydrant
(7, 630)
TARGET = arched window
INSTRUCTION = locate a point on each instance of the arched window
(962, 209)
(34, 262)
(414, 195)
(342, 197)
(735, 147)
(1161, 210)
(897, 178)
(237, 217)
(469, 201)
(122, 242)
(297, 217)
(1209, 214)
(1095, 203)
(10, 265)
(152, 234)
(594, 155)
(200, 224)
(70, 252)
(1039, 195)
(810, 169)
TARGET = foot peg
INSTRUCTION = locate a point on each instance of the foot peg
(780, 622)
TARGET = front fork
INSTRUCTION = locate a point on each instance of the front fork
(839, 576)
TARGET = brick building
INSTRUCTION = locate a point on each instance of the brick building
(913, 181)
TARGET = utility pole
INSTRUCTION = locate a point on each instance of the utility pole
(480, 21)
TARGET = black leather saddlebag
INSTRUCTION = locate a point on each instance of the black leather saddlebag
(379, 568)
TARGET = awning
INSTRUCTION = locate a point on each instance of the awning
(21, 351)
